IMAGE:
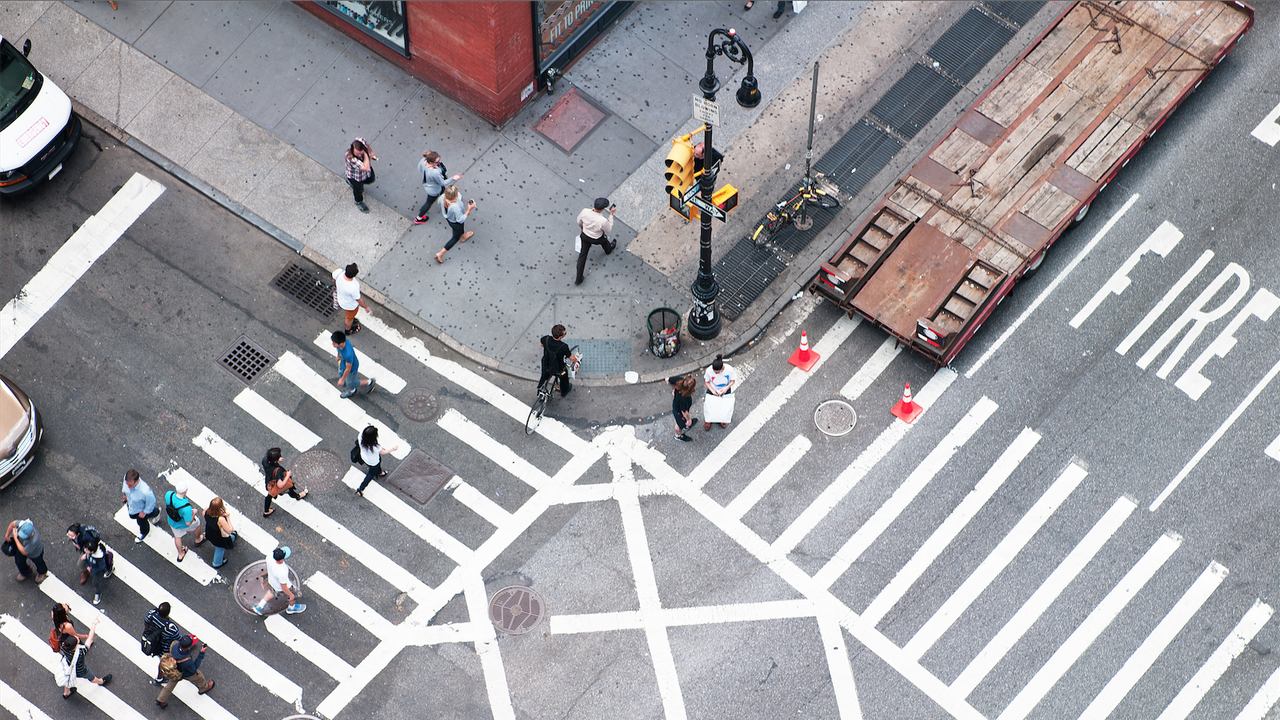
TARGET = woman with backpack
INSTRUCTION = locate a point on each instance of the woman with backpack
(371, 454)
(217, 528)
(75, 664)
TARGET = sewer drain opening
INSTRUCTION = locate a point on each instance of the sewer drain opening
(246, 360)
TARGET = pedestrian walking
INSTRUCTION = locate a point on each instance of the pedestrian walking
(279, 481)
(435, 178)
(26, 545)
(278, 582)
(360, 159)
(218, 530)
(681, 402)
(160, 633)
(456, 215)
(371, 453)
(348, 367)
(141, 503)
(720, 379)
(98, 560)
(554, 353)
(81, 537)
(75, 663)
(346, 296)
(593, 229)
(187, 654)
(62, 627)
(183, 517)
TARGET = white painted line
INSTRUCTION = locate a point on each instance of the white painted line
(840, 668)
(306, 646)
(744, 612)
(1158, 309)
(872, 368)
(369, 367)
(996, 562)
(457, 425)
(352, 606)
(1162, 241)
(1035, 304)
(596, 622)
(949, 529)
(293, 369)
(492, 512)
(1044, 596)
(1198, 686)
(306, 513)
(1217, 435)
(486, 643)
(440, 634)
(858, 469)
(162, 542)
(1070, 651)
(1268, 131)
(74, 258)
(37, 649)
(290, 430)
(744, 431)
(363, 674)
(879, 522)
(755, 491)
(400, 511)
(596, 492)
(18, 706)
(1263, 700)
(1155, 643)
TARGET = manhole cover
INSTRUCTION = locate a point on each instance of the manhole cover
(246, 360)
(835, 418)
(419, 404)
(251, 586)
(570, 120)
(311, 290)
(516, 610)
(419, 476)
(318, 470)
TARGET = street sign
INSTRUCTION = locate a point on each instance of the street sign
(708, 208)
(690, 192)
(706, 111)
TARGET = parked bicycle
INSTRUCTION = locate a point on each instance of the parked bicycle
(547, 388)
(794, 210)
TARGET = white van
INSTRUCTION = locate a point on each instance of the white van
(37, 128)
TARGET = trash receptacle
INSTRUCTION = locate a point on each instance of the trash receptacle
(664, 332)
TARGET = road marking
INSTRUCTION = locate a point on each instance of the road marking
(275, 420)
(74, 258)
(486, 642)
(1084, 252)
(744, 431)
(950, 528)
(996, 562)
(1156, 642)
(841, 670)
(352, 606)
(683, 616)
(306, 646)
(247, 531)
(1235, 643)
(1217, 435)
(891, 509)
(478, 502)
(363, 674)
(162, 543)
(391, 504)
(1044, 596)
(1098, 620)
(293, 369)
(596, 622)
(1268, 131)
(1162, 241)
(368, 367)
(19, 706)
(1158, 309)
(872, 368)
(852, 475)
(456, 424)
(755, 491)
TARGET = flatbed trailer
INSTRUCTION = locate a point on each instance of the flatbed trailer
(976, 214)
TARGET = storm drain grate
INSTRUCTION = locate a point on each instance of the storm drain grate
(743, 275)
(1015, 12)
(967, 47)
(914, 100)
(309, 289)
(246, 360)
(516, 610)
(601, 357)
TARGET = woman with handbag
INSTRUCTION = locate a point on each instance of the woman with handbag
(62, 627)
(682, 389)
(359, 164)
(435, 178)
(217, 528)
(371, 454)
(74, 663)
(720, 380)
(279, 481)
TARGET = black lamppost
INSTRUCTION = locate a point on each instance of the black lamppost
(704, 318)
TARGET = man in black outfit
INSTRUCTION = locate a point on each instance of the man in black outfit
(554, 352)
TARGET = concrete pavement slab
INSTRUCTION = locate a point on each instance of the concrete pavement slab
(194, 39)
(127, 22)
(297, 193)
(582, 677)
(179, 120)
(584, 568)
(18, 19)
(64, 43)
(347, 235)
(238, 157)
(119, 83)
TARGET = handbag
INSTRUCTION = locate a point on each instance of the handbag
(356, 457)
(9, 548)
(69, 670)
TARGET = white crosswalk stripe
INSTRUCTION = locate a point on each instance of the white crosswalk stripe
(367, 367)
(19, 706)
(327, 394)
(275, 420)
(1194, 691)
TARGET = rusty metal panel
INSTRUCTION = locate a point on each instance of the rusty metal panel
(1027, 231)
(935, 176)
(1073, 182)
(981, 128)
(916, 276)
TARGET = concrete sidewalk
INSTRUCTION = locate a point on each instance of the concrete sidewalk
(255, 103)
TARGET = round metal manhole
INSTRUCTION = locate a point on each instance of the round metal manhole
(318, 470)
(251, 586)
(516, 610)
(419, 404)
(835, 418)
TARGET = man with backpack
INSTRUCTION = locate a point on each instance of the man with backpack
(183, 518)
(182, 662)
(159, 633)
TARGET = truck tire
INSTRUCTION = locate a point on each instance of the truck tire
(1080, 214)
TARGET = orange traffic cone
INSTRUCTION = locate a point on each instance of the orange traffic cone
(907, 409)
(803, 357)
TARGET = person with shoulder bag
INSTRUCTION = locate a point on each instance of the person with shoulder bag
(217, 528)
(75, 664)
(183, 663)
(435, 178)
(158, 634)
(279, 481)
(359, 164)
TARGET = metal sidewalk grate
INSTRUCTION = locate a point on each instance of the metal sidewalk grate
(246, 360)
(856, 158)
(603, 357)
(914, 100)
(743, 274)
(966, 47)
(309, 289)
(1015, 13)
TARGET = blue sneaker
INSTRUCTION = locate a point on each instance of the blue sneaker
(257, 610)
(347, 394)
(295, 608)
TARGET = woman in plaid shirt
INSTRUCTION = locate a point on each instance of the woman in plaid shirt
(360, 159)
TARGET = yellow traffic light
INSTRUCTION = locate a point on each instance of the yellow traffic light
(679, 172)
(726, 198)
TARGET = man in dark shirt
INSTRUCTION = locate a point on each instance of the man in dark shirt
(554, 352)
(189, 657)
(158, 620)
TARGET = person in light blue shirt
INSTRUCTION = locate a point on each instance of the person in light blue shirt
(456, 215)
(140, 501)
(434, 181)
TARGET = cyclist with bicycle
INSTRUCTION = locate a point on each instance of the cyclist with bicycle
(555, 351)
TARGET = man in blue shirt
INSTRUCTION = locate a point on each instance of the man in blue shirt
(348, 365)
(182, 651)
(141, 502)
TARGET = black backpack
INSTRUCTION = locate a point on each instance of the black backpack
(356, 458)
(152, 636)
(91, 534)
(169, 509)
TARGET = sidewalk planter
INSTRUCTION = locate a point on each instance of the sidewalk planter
(664, 332)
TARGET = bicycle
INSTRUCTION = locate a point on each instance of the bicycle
(546, 389)
(813, 191)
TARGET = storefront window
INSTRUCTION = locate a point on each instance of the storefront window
(560, 23)
(382, 20)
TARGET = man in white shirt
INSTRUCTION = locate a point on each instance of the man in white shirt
(347, 291)
(278, 581)
(594, 228)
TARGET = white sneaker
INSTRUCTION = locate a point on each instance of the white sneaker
(97, 599)
(140, 538)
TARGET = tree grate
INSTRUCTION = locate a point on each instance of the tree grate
(309, 289)
(246, 360)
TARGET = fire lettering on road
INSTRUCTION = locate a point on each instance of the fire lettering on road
(1162, 242)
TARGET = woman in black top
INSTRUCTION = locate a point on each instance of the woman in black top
(218, 530)
(681, 402)
(70, 644)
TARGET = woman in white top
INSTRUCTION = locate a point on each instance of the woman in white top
(720, 379)
(371, 453)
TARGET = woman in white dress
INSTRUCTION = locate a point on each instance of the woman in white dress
(720, 380)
